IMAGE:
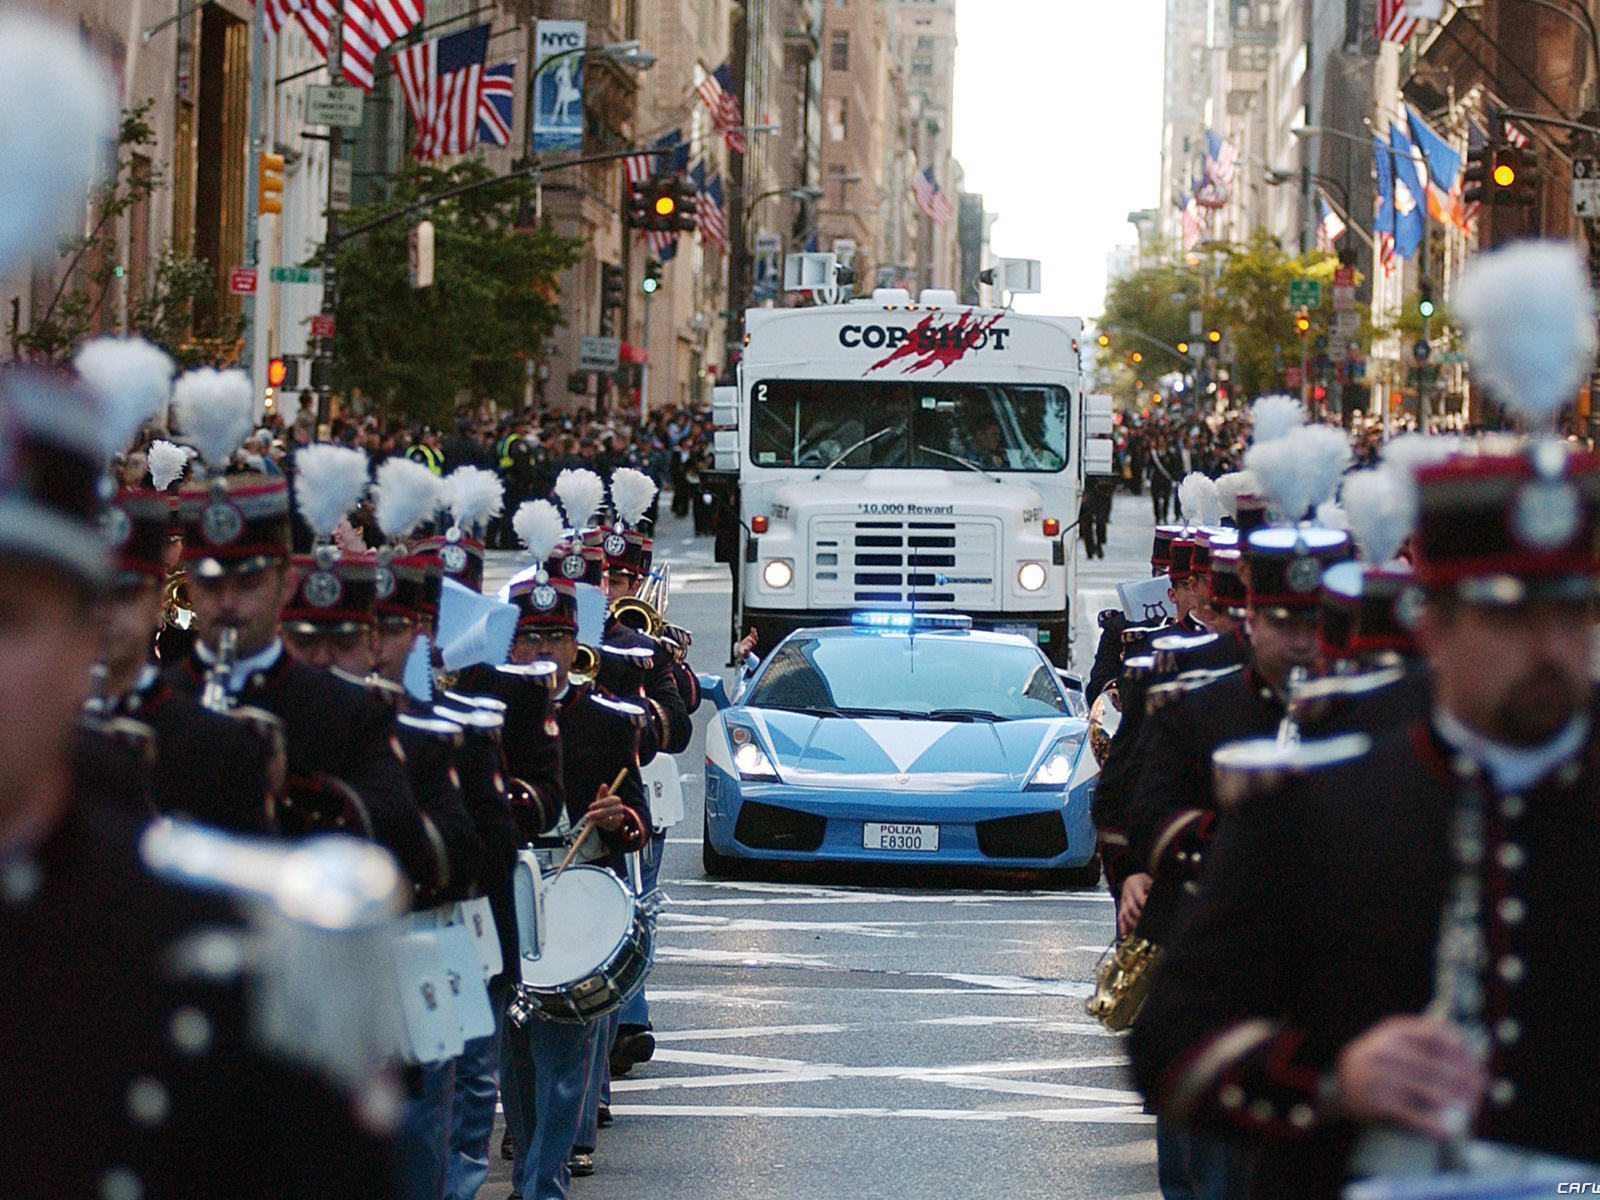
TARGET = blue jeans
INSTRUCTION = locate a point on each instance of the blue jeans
(637, 1010)
(544, 1069)
(597, 1081)
(1198, 1166)
(472, 1115)
(423, 1146)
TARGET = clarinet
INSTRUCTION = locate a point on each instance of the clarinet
(215, 695)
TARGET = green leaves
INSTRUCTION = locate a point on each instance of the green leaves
(494, 298)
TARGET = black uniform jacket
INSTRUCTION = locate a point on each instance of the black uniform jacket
(1321, 917)
(530, 740)
(207, 766)
(336, 728)
(432, 748)
(668, 728)
(1107, 655)
(120, 1079)
(599, 739)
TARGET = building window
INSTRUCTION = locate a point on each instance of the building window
(924, 43)
(839, 51)
(836, 125)
(921, 66)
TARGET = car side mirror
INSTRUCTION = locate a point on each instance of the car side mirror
(1073, 682)
(715, 687)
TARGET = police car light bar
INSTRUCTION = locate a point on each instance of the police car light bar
(910, 620)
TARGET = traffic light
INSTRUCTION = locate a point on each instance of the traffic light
(682, 190)
(1476, 175)
(1183, 347)
(612, 282)
(1137, 357)
(639, 201)
(277, 372)
(269, 183)
(1425, 301)
(1516, 175)
(652, 278)
(1214, 336)
(1302, 322)
(1104, 339)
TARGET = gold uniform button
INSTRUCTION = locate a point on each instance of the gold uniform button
(1301, 1116)
(1512, 910)
(1502, 1092)
(1508, 1031)
(148, 1102)
(119, 1183)
(1512, 807)
(1510, 968)
(1511, 856)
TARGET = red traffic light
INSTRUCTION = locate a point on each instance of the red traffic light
(277, 372)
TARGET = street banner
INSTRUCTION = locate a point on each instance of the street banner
(766, 267)
(558, 96)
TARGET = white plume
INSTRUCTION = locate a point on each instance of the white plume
(1382, 506)
(167, 461)
(1199, 499)
(133, 380)
(473, 495)
(632, 493)
(1410, 452)
(1529, 316)
(1300, 469)
(1273, 416)
(328, 482)
(214, 410)
(406, 493)
(581, 492)
(1233, 485)
(539, 526)
(1331, 515)
(60, 117)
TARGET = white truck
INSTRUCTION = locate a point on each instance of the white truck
(900, 454)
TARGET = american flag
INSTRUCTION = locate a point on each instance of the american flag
(1331, 228)
(929, 198)
(442, 80)
(636, 168)
(1222, 158)
(1386, 252)
(494, 104)
(1193, 224)
(369, 26)
(716, 89)
(1516, 137)
(1392, 24)
(708, 215)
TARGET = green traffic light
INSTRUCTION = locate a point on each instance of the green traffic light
(1425, 308)
(649, 285)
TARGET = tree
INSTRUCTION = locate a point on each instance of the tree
(168, 315)
(492, 304)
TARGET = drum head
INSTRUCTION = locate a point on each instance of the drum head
(588, 913)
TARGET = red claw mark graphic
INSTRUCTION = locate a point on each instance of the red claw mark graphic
(938, 346)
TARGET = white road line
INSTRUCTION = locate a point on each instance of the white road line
(741, 958)
(1117, 1115)
(746, 1031)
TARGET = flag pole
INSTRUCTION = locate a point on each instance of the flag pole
(330, 242)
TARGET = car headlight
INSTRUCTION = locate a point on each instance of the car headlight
(778, 574)
(1055, 769)
(749, 759)
(1031, 576)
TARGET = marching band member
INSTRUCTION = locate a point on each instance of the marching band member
(548, 1066)
(1379, 978)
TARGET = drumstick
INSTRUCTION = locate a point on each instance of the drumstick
(585, 827)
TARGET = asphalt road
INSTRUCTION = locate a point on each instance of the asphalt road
(818, 1039)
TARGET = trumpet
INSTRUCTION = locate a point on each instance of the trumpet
(585, 665)
(175, 609)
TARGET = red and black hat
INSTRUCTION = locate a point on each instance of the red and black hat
(50, 468)
(627, 551)
(1286, 566)
(1229, 594)
(234, 524)
(137, 525)
(459, 556)
(580, 561)
(1206, 543)
(545, 601)
(1161, 548)
(407, 586)
(334, 589)
(1367, 610)
(1250, 515)
(1504, 529)
(1180, 558)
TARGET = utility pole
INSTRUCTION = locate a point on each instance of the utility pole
(330, 242)
(738, 234)
(254, 144)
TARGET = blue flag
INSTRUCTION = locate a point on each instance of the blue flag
(1409, 222)
(1383, 210)
(1444, 171)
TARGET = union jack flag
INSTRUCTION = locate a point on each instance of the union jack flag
(709, 217)
(932, 202)
(494, 104)
(442, 80)
(716, 89)
(1392, 24)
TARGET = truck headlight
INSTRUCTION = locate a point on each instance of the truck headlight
(778, 574)
(1031, 576)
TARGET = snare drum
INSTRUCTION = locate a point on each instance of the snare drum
(587, 943)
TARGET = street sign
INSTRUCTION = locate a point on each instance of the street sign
(1420, 350)
(1196, 323)
(1586, 198)
(1346, 325)
(241, 280)
(599, 353)
(1344, 277)
(322, 325)
(1344, 298)
(339, 192)
(296, 275)
(1291, 377)
(1306, 292)
(333, 104)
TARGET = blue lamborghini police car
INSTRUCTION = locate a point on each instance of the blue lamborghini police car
(906, 739)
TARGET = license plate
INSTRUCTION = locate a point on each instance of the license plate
(879, 836)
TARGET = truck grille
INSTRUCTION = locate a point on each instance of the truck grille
(885, 560)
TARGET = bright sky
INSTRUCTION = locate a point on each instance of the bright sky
(1058, 125)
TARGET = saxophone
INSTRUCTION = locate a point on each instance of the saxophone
(1122, 981)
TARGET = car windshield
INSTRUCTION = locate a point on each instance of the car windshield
(921, 423)
(949, 678)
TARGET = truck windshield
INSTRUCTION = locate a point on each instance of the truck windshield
(989, 426)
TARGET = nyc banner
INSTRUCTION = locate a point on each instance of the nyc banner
(558, 94)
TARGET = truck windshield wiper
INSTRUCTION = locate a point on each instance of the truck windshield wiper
(848, 451)
(965, 462)
(964, 714)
